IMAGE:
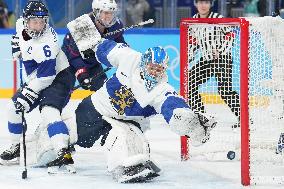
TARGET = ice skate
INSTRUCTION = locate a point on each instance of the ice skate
(11, 156)
(63, 161)
(142, 172)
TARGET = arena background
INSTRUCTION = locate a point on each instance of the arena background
(139, 39)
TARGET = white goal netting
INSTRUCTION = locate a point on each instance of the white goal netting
(212, 81)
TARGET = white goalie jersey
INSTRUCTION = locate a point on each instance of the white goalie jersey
(124, 95)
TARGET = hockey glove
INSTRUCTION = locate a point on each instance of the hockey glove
(16, 51)
(83, 78)
(193, 125)
(25, 100)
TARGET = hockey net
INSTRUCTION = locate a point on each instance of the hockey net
(250, 56)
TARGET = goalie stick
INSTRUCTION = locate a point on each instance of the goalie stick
(150, 21)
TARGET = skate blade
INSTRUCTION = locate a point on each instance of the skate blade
(141, 177)
(67, 169)
(70, 169)
(15, 161)
(52, 170)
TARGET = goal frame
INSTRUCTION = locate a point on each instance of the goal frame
(244, 76)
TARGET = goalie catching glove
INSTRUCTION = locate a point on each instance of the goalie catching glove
(25, 100)
(194, 125)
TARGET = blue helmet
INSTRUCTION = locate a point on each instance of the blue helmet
(154, 55)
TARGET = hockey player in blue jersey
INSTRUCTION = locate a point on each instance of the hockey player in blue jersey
(37, 45)
(119, 111)
(85, 67)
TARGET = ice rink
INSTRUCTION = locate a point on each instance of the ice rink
(91, 165)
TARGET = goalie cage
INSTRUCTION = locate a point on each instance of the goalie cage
(257, 52)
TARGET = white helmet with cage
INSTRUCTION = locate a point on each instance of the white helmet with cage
(105, 6)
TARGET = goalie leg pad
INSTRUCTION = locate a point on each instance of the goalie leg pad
(126, 145)
(128, 153)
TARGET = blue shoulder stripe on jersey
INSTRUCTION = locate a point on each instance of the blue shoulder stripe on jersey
(58, 127)
(103, 50)
(113, 87)
(30, 66)
(46, 68)
(170, 104)
(15, 128)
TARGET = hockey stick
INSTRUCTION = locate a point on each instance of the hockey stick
(94, 77)
(25, 172)
(150, 21)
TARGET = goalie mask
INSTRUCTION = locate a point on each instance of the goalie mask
(105, 12)
(153, 66)
(36, 18)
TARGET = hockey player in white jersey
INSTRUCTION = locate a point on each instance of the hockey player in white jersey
(37, 45)
(117, 111)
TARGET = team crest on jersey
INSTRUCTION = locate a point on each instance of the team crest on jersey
(123, 98)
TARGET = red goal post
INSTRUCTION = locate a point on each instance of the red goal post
(255, 66)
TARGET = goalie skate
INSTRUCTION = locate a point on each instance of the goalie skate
(139, 173)
(63, 163)
(11, 156)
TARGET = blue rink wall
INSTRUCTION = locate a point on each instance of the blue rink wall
(138, 39)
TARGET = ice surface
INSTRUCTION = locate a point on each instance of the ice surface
(91, 165)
